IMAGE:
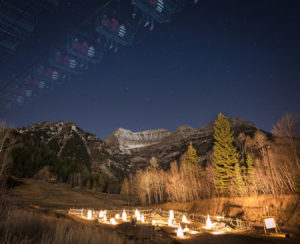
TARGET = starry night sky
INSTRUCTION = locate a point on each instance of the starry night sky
(241, 58)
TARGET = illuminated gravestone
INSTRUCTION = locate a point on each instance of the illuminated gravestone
(171, 218)
(186, 229)
(137, 215)
(89, 214)
(180, 232)
(124, 216)
(143, 218)
(113, 221)
(184, 219)
(208, 223)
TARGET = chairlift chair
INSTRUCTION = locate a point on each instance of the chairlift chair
(84, 47)
(65, 62)
(46, 76)
(112, 26)
(160, 10)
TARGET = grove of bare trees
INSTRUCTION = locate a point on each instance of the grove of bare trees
(268, 164)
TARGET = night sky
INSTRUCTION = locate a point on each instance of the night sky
(241, 58)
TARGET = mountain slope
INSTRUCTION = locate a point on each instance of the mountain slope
(71, 143)
(123, 151)
(171, 146)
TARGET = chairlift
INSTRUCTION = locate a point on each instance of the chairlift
(114, 28)
(84, 47)
(160, 10)
(66, 63)
(45, 76)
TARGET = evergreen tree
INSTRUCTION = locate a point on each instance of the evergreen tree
(250, 170)
(191, 155)
(239, 186)
(225, 156)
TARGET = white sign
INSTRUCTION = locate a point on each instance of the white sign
(270, 223)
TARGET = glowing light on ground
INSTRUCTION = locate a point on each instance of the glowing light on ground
(124, 216)
(208, 223)
(180, 232)
(218, 232)
(153, 222)
(184, 219)
(105, 218)
(117, 216)
(113, 221)
(89, 214)
(143, 219)
(219, 218)
(101, 214)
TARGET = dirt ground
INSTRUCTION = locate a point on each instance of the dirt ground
(58, 198)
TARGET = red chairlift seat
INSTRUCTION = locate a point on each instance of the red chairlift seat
(65, 62)
(109, 25)
(84, 47)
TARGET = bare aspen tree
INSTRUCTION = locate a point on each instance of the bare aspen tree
(3, 163)
(287, 129)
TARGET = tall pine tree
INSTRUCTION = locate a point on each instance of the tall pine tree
(225, 156)
(191, 155)
(191, 169)
(250, 170)
(239, 185)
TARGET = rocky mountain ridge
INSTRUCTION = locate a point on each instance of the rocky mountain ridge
(125, 151)
(68, 141)
(124, 140)
(172, 145)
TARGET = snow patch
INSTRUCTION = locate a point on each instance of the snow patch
(74, 128)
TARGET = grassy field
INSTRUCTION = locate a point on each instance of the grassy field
(61, 196)
(36, 213)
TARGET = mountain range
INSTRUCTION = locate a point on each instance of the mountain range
(123, 151)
